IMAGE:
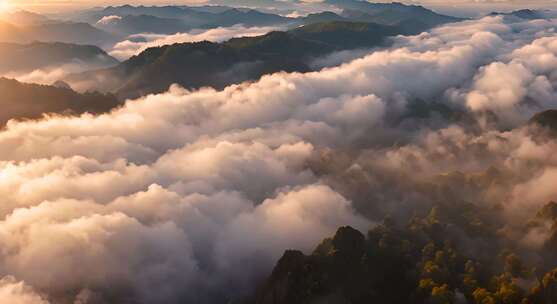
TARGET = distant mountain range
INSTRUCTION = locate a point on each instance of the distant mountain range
(195, 65)
(129, 19)
(66, 32)
(413, 17)
(134, 24)
(152, 21)
(170, 12)
(30, 101)
(524, 14)
(172, 19)
(105, 26)
(40, 55)
(360, 25)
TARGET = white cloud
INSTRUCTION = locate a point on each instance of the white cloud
(177, 196)
(14, 292)
(136, 44)
(109, 19)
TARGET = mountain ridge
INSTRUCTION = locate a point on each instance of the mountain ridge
(39, 55)
(273, 52)
(23, 101)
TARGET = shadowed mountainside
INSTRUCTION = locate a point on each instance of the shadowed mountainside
(171, 19)
(38, 55)
(195, 65)
(30, 101)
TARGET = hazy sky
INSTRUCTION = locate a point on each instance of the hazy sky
(470, 6)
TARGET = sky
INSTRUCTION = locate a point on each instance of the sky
(456, 7)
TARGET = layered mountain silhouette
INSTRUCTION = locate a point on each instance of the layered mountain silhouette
(39, 55)
(195, 65)
(67, 32)
(134, 24)
(247, 18)
(129, 19)
(171, 12)
(103, 26)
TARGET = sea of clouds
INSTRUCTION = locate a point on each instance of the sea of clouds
(192, 196)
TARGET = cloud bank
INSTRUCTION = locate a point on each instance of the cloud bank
(193, 195)
(136, 44)
(49, 75)
(18, 293)
(109, 19)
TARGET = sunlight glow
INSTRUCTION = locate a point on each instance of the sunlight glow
(4, 5)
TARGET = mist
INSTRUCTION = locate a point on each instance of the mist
(103, 209)
(135, 44)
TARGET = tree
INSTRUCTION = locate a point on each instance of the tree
(546, 291)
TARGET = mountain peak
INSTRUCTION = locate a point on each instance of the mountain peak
(545, 119)
(349, 242)
(523, 13)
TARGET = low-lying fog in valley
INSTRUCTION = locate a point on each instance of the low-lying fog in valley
(137, 43)
(192, 195)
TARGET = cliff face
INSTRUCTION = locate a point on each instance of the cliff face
(340, 270)
(423, 261)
